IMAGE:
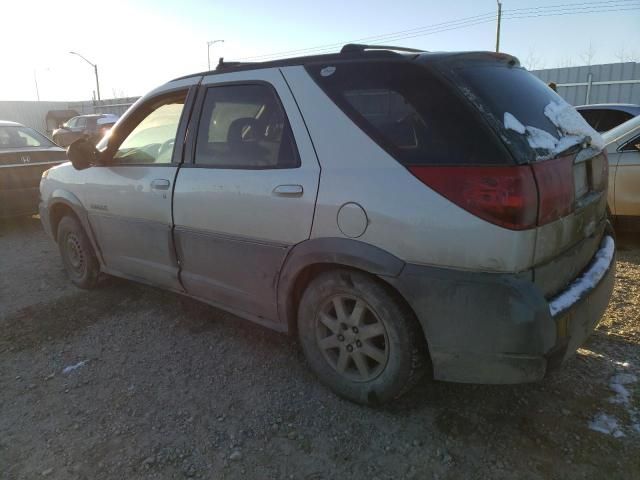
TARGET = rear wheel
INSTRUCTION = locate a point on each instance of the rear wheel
(360, 341)
(78, 256)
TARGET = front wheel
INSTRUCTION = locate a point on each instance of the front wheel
(360, 341)
(78, 256)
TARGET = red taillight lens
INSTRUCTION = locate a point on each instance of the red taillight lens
(555, 187)
(505, 196)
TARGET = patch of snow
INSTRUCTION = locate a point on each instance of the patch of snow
(573, 129)
(571, 123)
(600, 265)
(603, 423)
(71, 368)
(541, 140)
(512, 123)
(617, 384)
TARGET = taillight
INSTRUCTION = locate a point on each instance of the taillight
(555, 179)
(518, 197)
(505, 196)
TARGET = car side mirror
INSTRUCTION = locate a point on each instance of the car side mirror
(83, 154)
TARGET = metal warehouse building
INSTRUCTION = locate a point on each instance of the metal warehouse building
(608, 83)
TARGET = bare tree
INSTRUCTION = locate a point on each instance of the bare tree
(533, 61)
(624, 55)
(588, 55)
(566, 62)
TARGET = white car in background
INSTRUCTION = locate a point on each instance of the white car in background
(623, 149)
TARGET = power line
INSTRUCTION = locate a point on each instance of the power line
(514, 14)
(375, 37)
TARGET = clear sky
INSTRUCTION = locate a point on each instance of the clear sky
(139, 44)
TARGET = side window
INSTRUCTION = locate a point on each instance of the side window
(632, 146)
(153, 138)
(611, 119)
(244, 127)
(29, 140)
(71, 123)
(81, 122)
(591, 116)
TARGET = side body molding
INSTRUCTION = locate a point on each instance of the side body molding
(61, 196)
(338, 251)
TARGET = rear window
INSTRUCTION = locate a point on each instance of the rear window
(409, 112)
(533, 120)
(20, 137)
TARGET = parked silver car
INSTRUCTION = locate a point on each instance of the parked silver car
(402, 212)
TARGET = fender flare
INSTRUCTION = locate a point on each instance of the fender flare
(61, 196)
(337, 251)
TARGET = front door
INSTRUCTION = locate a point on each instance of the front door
(248, 194)
(128, 197)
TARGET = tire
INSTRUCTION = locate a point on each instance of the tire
(78, 256)
(377, 361)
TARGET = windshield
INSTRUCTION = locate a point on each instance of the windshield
(20, 137)
(535, 121)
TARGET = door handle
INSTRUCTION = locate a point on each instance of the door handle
(160, 184)
(288, 190)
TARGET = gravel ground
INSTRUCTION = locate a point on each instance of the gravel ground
(132, 382)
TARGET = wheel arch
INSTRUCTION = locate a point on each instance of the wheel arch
(62, 203)
(312, 257)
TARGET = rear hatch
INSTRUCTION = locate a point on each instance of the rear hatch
(564, 153)
(490, 137)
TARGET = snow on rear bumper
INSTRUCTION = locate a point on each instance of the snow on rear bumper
(587, 281)
(579, 308)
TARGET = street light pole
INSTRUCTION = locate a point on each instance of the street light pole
(95, 70)
(209, 43)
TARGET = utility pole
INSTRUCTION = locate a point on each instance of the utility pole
(209, 43)
(95, 71)
(498, 28)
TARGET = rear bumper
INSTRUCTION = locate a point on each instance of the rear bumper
(499, 328)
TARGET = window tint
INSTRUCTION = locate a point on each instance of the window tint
(611, 119)
(409, 112)
(153, 139)
(244, 126)
(81, 122)
(591, 116)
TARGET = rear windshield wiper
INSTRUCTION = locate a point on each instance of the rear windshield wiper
(582, 142)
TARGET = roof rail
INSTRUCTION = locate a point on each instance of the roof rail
(222, 65)
(357, 47)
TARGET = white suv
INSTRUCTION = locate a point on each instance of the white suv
(402, 212)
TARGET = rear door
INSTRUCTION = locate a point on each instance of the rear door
(246, 192)
(128, 196)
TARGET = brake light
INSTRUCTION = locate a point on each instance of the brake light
(556, 189)
(518, 197)
(505, 196)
